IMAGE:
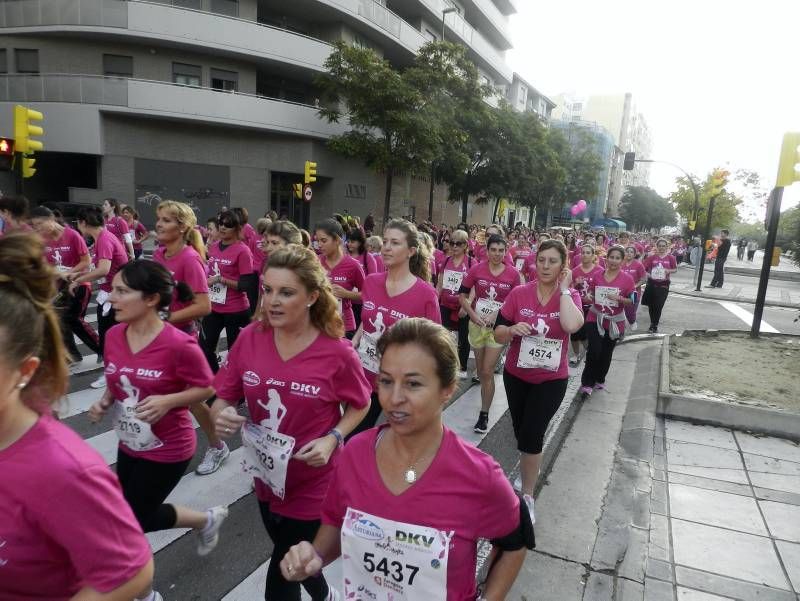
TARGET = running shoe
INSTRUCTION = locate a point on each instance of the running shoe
(99, 382)
(213, 460)
(476, 380)
(653, 330)
(529, 504)
(600, 386)
(153, 596)
(518, 483)
(574, 362)
(208, 537)
(462, 374)
(482, 425)
(586, 390)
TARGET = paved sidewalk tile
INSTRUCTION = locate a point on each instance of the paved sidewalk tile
(705, 461)
(729, 587)
(790, 554)
(546, 578)
(687, 594)
(783, 520)
(706, 435)
(769, 446)
(722, 509)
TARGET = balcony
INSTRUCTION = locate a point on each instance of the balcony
(489, 18)
(162, 100)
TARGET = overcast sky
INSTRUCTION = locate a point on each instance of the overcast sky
(717, 81)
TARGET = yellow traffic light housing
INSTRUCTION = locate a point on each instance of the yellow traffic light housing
(719, 178)
(298, 190)
(790, 160)
(24, 129)
(27, 167)
(310, 173)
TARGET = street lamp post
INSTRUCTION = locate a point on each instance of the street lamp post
(445, 12)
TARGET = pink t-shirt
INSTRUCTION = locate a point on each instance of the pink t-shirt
(119, 227)
(348, 274)
(463, 491)
(108, 247)
(64, 523)
(519, 255)
(172, 362)
(625, 286)
(584, 282)
(667, 262)
(309, 387)
(185, 266)
(139, 230)
(67, 250)
(231, 262)
(490, 286)
(368, 263)
(447, 297)
(379, 266)
(635, 269)
(529, 267)
(522, 305)
(380, 311)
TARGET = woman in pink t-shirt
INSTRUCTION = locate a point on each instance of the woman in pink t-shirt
(452, 273)
(492, 281)
(400, 291)
(154, 372)
(230, 275)
(344, 272)
(536, 320)
(357, 248)
(634, 268)
(251, 239)
(659, 266)
(138, 231)
(584, 276)
(294, 370)
(414, 480)
(115, 224)
(65, 528)
(605, 322)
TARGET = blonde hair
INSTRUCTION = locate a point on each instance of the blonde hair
(286, 230)
(304, 264)
(262, 224)
(459, 236)
(29, 326)
(184, 215)
(431, 337)
(418, 262)
(374, 242)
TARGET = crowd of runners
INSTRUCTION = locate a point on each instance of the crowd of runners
(344, 345)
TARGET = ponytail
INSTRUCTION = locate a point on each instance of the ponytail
(195, 240)
(419, 262)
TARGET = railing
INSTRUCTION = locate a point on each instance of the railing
(83, 89)
(32, 13)
(381, 16)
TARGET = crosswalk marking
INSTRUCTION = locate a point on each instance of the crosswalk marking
(746, 316)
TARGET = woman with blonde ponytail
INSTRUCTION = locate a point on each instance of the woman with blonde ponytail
(72, 534)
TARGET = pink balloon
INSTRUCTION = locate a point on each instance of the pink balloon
(582, 204)
(574, 210)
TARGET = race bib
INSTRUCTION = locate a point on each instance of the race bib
(266, 456)
(368, 352)
(217, 293)
(131, 431)
(488, 310)
(384, 560)
(601, 294)
(519, 263)
(658, 272)
(538, 352)
(452, 280)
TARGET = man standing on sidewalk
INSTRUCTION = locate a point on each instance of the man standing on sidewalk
(719, 264)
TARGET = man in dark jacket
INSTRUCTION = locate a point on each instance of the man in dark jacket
(719, 264)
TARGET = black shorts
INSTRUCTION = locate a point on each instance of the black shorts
(581, 333)
(532, 406)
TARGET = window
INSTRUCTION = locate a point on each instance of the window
(27, 60)
(116, 65)
(3, 60)
(187, 75)
(225, 7)
(197, 4)
(224, 80)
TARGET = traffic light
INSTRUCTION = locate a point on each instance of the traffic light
(630, 159)
(790, 161)
(310, 172)
(298, 190)
(27, 167)
(719, 178)
(24, 128)
(6, 154)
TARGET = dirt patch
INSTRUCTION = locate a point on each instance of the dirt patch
(736, 368)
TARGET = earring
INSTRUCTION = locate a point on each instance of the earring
(22, 385)
(308, 306)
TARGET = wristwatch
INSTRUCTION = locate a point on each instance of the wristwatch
(566, 293)
(338, 436)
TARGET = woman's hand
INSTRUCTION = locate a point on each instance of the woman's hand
(338, 291)
(227, 422)
(300, 562)
(317, 452)
(521, 329)
(565, 279)
(152, 409)
(99, 408)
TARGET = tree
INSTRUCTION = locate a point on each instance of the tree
(642, 208)
(726, 212)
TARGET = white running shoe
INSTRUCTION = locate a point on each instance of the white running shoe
(99, 382)
(462, 374)
(212, 460)
(518, 483)
(529, 503)
(333, 594)
(208, 537)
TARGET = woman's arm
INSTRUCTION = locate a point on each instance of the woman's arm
(200, 307)
(133, 588)
(503, 573)
(306, 559)
(156, 406)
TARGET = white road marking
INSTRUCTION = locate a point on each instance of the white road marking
(746, 316)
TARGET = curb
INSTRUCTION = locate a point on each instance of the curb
(770, 422)
(789, 276)
(695, 294)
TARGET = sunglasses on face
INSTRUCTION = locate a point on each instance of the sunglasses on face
(227, 224)
(458, 243)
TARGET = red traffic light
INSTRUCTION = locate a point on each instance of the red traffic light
(6, 146)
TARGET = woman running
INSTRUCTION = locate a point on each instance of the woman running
(344, 272)
(65, 528)
(138, 231)
(357, 247)
(605, 323)
(400, 291)
(107, 258)
(230, 274)
(251, 239)
(492, 281)
(537, 319)
(115, 224)
(294, 370)
(454, 317)
(13, 212)
(659, 266)
(411, 480)
(154, 373)
(374, 247)
(584, 276)
(634, 268)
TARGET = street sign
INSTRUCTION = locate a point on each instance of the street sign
(307, 193)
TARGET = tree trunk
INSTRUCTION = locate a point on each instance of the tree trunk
(496, 205)
(387, 199)
(430, 198)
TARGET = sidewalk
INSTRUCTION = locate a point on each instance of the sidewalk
(780, 293)
(786, 266)
(638, 510)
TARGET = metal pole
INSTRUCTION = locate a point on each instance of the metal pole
(703, 239)
(773, 217)
(18, 179)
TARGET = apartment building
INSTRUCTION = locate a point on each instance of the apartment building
(213, 102)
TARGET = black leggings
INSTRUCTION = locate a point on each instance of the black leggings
(104, 324)
(212, 328)
(372, 416)
(73, 310)
(286, 532)
(655, 303)
(462, 327)
(532, 406)
(598, 356)
(145, 485)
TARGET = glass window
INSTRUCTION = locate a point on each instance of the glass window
(197, 4)
(117, 66)
(225, 7)
(224, 80)
(3, 60)
(27, 60)
(187, 75)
